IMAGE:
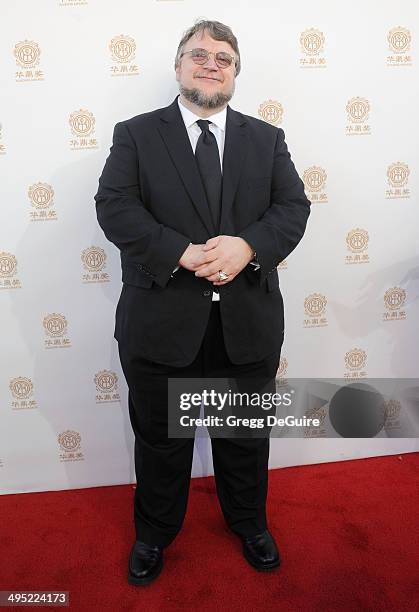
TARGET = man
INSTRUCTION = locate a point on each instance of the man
(203, 203)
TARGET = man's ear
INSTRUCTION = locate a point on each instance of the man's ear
(177, 70)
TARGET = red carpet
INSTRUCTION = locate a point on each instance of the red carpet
(348, 533)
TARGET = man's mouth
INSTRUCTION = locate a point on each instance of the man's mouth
(207, 78)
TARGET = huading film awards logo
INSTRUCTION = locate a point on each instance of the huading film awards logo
(394, 301)
(70, 446)
(357, 243)
(313, 431)
(355, 362)
(94, 262)
(312, 47)
(392, 415)
(106, 383)
(41, 197)
(27, 55)
(8, 272)
(397, 177)
(358, 110)
(122, 50)
(315, 310)
(271, 111)
(2, 146)
(314, 179)
(21, 389)
(55, 327)
(399, 40)
(82, 125)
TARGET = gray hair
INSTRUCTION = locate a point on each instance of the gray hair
(217, 31)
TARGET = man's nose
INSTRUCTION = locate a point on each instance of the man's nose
(210, 63)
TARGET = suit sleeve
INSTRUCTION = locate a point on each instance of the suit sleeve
(126, 221)
(278, 231)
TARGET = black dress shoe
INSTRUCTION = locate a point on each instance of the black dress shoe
(145, 563)
(261, 551)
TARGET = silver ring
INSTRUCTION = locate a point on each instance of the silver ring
(222, 275)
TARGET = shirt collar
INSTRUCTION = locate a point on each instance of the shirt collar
(189, 118)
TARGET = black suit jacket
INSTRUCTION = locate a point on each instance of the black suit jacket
(151, 204)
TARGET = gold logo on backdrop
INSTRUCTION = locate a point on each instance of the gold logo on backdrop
(94, 261)
(8, 271)
(315, 178)
(22, 391)
(69, 440)
(398, 176)
(399, 40)
(315, 307)
(271, 111)
(358, 110)
(355, 361)
(70, 443)
(82, 124)
(2, 147)
(122, 48)
(41, 197)
(93, 258)
(315, 183)
(357, 242)
(394, 300)
(21, 387)
(315, 304)
(27, 55)
(8, 265)
(106, 381)
(55, 326)
(312, 41)
(312, 45)
(106, 386)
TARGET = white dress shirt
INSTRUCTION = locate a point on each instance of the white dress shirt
(217, 127)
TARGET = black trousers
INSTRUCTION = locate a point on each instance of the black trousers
(163, 465)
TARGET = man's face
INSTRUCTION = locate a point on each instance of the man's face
(206, 85)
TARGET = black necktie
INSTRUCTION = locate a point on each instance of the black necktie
(208, 160)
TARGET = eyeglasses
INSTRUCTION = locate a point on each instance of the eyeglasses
(221, 58)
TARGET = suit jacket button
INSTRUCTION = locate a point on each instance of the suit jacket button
(207, 293)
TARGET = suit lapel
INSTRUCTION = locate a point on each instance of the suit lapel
(175, 136)
(235, 151)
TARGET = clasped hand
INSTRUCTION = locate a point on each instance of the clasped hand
(227, 253)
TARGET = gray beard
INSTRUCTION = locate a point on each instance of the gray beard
(196, 96)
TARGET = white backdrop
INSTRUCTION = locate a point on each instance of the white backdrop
(343, 84)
